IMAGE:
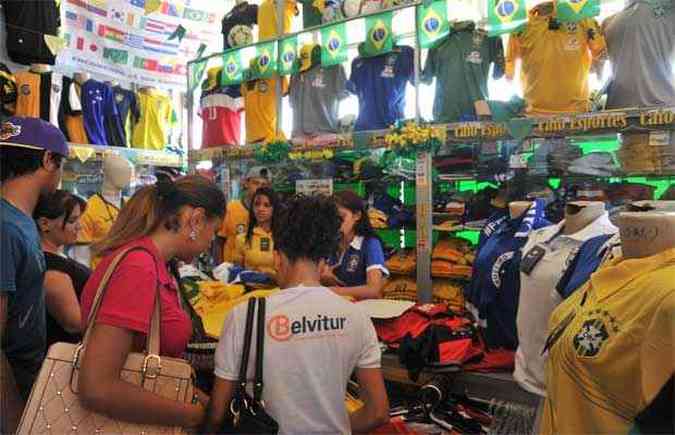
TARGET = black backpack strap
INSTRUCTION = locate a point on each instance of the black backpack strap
(260, 352)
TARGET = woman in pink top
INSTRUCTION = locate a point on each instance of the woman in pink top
(168, 220)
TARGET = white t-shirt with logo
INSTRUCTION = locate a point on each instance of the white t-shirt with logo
(314, 340)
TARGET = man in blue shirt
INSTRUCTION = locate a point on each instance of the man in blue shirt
(31, 154)
(379, 82)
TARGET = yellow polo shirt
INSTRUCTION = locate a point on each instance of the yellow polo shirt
(260, 105)
(257, 255)
(555, 63)
(97, 219)
(618, 349)
(235, 223)
(267, 18)
(157, 120)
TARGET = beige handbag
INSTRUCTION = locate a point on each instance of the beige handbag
(54, 406)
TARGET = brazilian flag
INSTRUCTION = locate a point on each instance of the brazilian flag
(289, 55)
(505, 16)
(379, 37)
(233, 70)
(334, 42)
(432, 20)
(265, 64)
(572, 11)
(196, 74)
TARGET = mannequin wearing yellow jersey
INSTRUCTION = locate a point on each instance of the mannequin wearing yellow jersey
(254, 249)
(612, 343)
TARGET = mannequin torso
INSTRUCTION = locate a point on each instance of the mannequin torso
(646, 234)
(517, 208)
(580, 214)
(81, 77)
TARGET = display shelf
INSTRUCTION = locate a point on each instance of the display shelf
(136, 156)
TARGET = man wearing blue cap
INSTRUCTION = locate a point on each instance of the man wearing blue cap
(31, 155)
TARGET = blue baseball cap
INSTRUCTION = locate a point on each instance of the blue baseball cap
(32, 133)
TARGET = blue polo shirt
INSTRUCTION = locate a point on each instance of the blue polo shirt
(494, 290)
(362, 255)
(585, 262)
(379, 83)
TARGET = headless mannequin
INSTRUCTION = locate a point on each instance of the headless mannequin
(647, 233)
(580, 214)
(518, 208)
(113, 83)
(81, 77)
(117, 175)
(40, 68)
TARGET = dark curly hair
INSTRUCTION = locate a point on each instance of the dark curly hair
(307, 228)
(252, 220)
(353, 202)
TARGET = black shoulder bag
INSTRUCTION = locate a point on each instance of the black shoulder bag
(249, 415)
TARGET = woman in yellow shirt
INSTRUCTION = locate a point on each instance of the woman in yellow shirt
(254, 249)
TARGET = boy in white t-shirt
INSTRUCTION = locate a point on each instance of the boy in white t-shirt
(314, 339)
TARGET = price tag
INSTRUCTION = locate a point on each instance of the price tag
(659, 138)
(518, 161)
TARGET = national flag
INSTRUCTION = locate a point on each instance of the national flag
(98, 7)
(232, 68)
(118, 15)
(151, 6)
(179, 33)
(334, 41)
(137, 3)
(120, 57)
(265, 64)
(113, 34)
(572, 11)
(433, 23)
(158, 46)
(195, 15)
(379, 36)
(146, 64)
(289, 54)
(83, 45)
(505, 16)
(152, 25)
(134, 41)
(81, 22)
(197, 70)
(171, 9)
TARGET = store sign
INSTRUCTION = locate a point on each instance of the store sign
(314, 187)
(658, 117)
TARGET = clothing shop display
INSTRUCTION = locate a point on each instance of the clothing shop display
(7, 92)
(550, 49)
(400, 288)
(260, 98)
(267, 18)
(27, 22)
(585, 262)
(221, 116)
(98, 108)
(257, 253)
(640, 44)
(157, 120)
(311, 16)
(315, 95)
(538, 289)
(72, 112)
(97, 219)
(234, 224)
(495, 285)
(380, 84)
(362, 255)
(610, 346)
(461, 83)
(637, 155)
(244, 13)
(128, 114)
(39, 95)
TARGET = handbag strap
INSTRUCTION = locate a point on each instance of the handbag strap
(152, 339)
(260, 349)
(248, 331)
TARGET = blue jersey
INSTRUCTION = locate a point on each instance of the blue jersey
(361, 256)
(495, 285)
(98, 105)
(379, 82)
(586, 261)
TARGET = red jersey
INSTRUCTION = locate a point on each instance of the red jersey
(221, 117)
(129, 299)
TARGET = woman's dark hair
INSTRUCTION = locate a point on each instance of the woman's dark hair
(307, 227)
(353, 202)
(57, 204)
(252, 220)
(16, 162)
(159, 204)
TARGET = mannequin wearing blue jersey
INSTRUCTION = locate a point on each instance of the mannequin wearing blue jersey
(358, 269)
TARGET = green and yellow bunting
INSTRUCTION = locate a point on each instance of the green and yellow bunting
(572, 11)
(334, 42)
(379, 36)
(505, 16)
(432, 20)
(289, 55)
(265, 63)
(232, 68)
(196, 74)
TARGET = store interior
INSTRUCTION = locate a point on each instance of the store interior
(511, 154)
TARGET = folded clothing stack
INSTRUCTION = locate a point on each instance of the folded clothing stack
(402, 288)
(404, 262)
(647, 152)
(450, 292)
(452, 258)
(378, 219)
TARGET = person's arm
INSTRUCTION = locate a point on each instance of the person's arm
(219, 405)
(102, 390)
(61, 300)
(239, 254)
(11, 405)
(375, 411)
(371, 290)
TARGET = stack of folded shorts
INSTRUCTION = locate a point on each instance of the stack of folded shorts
(639, 154)
(378, 219)
(404, 262)
(450, 292)
(402, 288)
(452, 258)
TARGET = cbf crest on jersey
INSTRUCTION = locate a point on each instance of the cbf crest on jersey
(334, 42)
(232, 68)
(265, 60)
(379, 36)
(289, 54)
(572, 11)
(505, 16)
(433, 23)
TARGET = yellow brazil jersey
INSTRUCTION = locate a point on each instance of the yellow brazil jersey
(555, 63)
(235, 223)
(157, 119)
(612, 347)
(97, 219)
(28, 94)
(258, 254)
(261, 110)
(267, 18)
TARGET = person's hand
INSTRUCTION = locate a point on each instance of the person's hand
(328, 277)
(196, 417)
(202, 397)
